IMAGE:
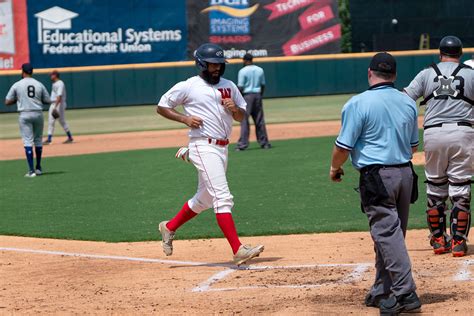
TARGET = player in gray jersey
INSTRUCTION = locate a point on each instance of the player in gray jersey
(448, 91)
(57, 110)
(29, 96)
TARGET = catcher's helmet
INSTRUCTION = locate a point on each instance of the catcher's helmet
(450, 46)
(209, 53)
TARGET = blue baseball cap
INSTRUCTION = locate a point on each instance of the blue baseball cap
(27, 68)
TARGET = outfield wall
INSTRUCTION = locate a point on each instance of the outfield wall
(101, 86)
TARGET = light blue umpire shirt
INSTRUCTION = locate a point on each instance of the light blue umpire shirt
(379, 126)
(250, 79)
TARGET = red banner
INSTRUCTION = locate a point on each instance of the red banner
(302, 43)
(14, 49)
(315, 16)
(284, 7)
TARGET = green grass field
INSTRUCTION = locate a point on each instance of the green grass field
(122, 196)
(139, 118)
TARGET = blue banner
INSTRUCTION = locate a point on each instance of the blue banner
(65, 33)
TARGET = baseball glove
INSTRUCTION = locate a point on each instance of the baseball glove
(55, 114)
(183, 153)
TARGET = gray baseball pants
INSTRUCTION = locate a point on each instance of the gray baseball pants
(388, 224)
(254, 109)
(449, 157)
(31, 128)
(62, 118)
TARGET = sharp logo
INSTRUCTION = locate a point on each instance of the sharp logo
(228, 7)
(55, 18)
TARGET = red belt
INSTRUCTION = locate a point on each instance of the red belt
(218, 142)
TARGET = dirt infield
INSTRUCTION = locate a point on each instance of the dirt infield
(304, 274)
(89, 144)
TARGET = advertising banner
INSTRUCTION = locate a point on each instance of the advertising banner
(105, 32)
(265, 28)
(13, 34)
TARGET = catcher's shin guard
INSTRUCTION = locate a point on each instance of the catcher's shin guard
(460, 218)
(436, 218)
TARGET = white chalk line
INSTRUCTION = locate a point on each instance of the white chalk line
(206, 286)
(464, 272)
(354, 276)
(170, 262)
(108, 257)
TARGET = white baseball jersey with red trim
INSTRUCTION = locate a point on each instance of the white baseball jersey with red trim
(201, 99)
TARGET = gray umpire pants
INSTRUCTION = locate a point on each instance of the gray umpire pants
(254, 109)
(388, 224)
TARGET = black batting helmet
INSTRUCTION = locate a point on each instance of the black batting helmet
(209, 53)
(450, 46)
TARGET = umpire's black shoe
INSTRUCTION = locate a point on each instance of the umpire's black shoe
(395, 305)
(374, 301)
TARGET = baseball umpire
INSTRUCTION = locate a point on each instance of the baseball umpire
(448, 91)
(30, 95)
(211, 103)
(251, 82)
(380, 132)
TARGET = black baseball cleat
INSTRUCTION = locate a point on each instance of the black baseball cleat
(239, 149)
(68, 141)
(266, 146)
(374, 301)
(405, 303)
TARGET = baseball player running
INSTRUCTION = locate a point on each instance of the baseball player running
(57, 110)
(448, 91)
(30, 95)
(211, 103)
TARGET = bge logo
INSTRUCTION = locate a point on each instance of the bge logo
(229, 2)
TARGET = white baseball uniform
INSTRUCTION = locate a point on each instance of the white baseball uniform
(58, 89)
(201, 99)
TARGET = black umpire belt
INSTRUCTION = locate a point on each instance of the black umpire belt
(441, 124)
(402, 165)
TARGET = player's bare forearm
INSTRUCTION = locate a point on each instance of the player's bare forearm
(171, 114)
(9, 102)
(339, 157)
(239, 115)
(58, 101)
(414, 149)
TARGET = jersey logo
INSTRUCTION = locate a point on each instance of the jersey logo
(445, 88)
(226, 93)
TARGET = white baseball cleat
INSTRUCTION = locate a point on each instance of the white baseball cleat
(38, 172)
(167, 237)
(245, 253)
(30, 174)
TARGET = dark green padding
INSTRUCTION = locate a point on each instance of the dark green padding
(284, 79)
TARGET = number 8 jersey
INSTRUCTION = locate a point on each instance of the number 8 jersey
(30, 95)
(446, 95)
